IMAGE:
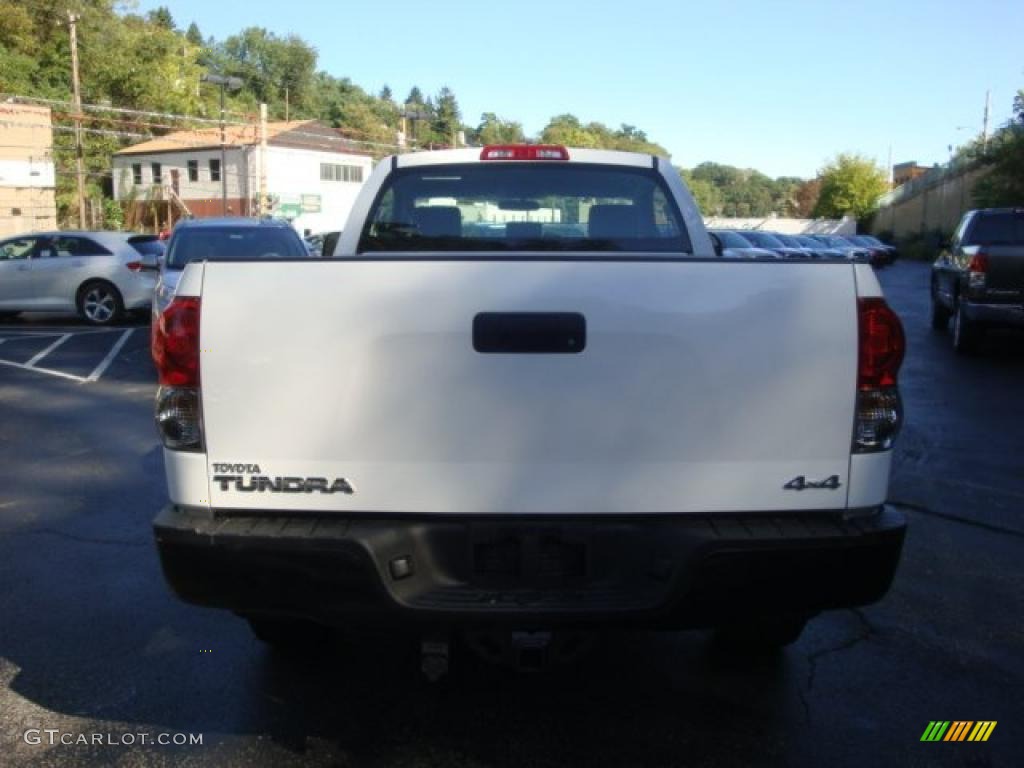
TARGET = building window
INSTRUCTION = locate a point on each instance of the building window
(158, 177)
(215, 170)
(335, 172)
(136, 173)
(193, 170)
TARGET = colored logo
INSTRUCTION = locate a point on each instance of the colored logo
(958, 730)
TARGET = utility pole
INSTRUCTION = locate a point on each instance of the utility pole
(984, 122)
(286, 110)
(263, 159)
(77, 98)
(234, 84)
(223, 157)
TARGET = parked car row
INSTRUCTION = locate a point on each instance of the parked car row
(754, 244)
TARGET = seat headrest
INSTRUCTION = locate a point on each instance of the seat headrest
(613, 222)
(438, 221)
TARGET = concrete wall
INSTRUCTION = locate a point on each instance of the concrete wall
(27, 199)
(927, 204)
(844, 226)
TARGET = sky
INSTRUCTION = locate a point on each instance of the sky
(776, 85)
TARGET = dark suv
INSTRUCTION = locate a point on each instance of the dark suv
(978, 279)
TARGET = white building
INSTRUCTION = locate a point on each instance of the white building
(313, 174)
(27, 180)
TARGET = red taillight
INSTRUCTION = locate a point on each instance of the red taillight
(978, 263)
(524, 152)
(881, 344)
(176, 344)
(134, 266)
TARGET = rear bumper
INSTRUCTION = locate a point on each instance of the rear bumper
(678, 571)
(1003, 315)
(137, 291)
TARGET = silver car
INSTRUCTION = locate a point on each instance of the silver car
(100, 275)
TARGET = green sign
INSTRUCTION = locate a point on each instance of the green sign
(310, 203)
(288, 210)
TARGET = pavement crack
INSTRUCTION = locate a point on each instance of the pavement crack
(924, 510)
(81, 539)
(865, 631)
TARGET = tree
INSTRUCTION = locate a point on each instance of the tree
(447, 117)
(707, 196)
(1004, 183)
(495, 130)
(161, 17)
(567, 131)
(385, 93)
(273, 68)
(744, 192)
(850, 186)
(194, 36)
(807, 198)
(415, 96)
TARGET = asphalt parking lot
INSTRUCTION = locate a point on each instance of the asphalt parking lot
(91, 641)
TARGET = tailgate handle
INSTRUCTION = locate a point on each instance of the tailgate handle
(558, 333)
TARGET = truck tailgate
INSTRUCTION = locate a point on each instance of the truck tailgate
(700, 386)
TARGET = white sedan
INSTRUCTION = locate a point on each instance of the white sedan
(100, 275)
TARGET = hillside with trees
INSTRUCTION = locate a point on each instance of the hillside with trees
(152, 63)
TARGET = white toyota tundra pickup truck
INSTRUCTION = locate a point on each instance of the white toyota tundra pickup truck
(525, 393)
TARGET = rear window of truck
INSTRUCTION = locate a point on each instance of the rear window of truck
(998, 228)
(525, 207)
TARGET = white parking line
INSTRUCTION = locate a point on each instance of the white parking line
(40, 355)
(105, 363)
(61, 374)
(61, 336)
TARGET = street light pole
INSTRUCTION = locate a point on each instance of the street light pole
(225, 83)
(223, 158)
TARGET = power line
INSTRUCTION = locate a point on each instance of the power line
(189, 118)
(123, 110)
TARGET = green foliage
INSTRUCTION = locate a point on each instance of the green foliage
(273, 68)
(1003, 185)
(161, 17)
(495, 130)
(194, 36)
(707, 196)
(446, 116)
(567, 130)
(145, 62)
(415, 96)
(113, 214)
(724, 190)
(850, 186)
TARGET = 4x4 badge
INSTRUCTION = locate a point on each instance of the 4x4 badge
(801, 483)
